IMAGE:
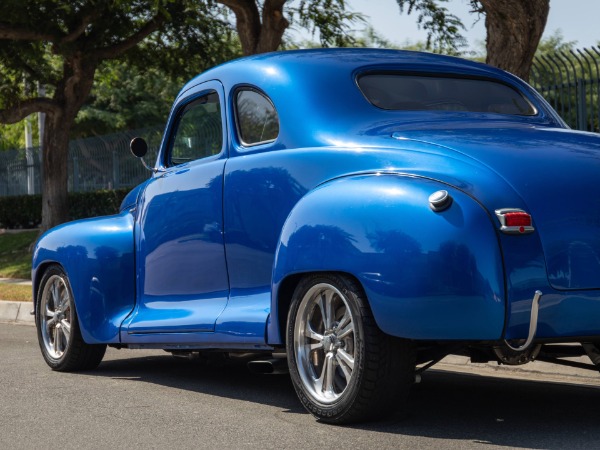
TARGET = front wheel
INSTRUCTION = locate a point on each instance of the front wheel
(344, 369)
(59, 336)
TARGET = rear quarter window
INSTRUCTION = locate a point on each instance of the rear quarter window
(256, 117)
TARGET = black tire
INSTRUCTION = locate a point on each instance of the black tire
(592, 349)
(344, 369)
(58, 330)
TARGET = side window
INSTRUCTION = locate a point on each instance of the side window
(199, 131)
(257, 120)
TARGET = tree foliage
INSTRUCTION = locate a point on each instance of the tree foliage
(196, 36)
(554, 43)
(330, 19)
(366, 38)
(443, 28)
(262, 24)
(12, 136)
(137, 91)
(126, 97)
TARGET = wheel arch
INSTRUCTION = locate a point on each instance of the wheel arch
(426, 274)
(286, 290)
(37, 278)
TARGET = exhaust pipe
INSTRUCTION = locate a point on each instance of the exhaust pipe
(273, 366)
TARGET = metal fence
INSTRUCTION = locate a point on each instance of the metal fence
(570, 82)
(94, 163)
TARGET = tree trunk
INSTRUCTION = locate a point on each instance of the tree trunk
(514, 29)
(273, 26)
(55, 207)
(256, 36)
(70, 94)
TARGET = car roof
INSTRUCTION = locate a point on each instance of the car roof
(316, 95)
(298, 63)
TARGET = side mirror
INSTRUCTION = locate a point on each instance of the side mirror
(138, 147)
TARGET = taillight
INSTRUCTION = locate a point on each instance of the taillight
(514, 221)
(517, 219)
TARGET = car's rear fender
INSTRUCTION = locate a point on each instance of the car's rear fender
(97, 256)
(427, 274)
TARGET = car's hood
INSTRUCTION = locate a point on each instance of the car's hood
(557, 174)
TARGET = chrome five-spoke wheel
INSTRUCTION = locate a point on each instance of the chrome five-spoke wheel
(324, 342)
(56, 316)
(343, 367)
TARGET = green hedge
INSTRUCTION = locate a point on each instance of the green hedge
(25, 211)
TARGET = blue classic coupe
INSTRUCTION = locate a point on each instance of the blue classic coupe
(353, 215)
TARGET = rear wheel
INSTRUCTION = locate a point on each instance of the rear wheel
(344, 369)
(59, 336)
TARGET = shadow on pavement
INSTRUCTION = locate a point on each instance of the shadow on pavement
(482, 410)
(230, 379)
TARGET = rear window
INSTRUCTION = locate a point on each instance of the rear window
(445, 93)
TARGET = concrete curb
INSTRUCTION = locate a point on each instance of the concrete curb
(16, 312)
(17, 281)
(537, 370)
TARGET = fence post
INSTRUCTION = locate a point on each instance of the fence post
(75, 173)
(581, 106)
(115, 174)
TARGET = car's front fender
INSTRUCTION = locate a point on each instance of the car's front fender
(98, 257)
(427, 275)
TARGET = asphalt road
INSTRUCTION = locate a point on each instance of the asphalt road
(148, 399)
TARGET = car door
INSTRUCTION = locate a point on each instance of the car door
(182, 283)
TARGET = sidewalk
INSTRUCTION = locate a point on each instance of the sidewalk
(17, 312)
(18, 281)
